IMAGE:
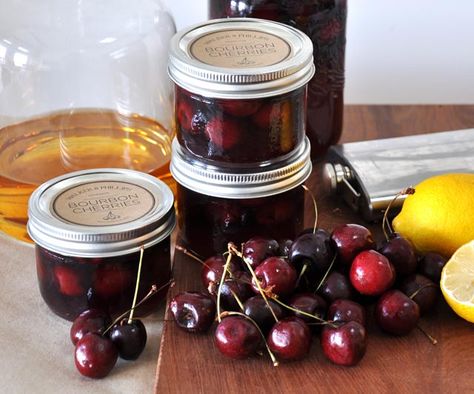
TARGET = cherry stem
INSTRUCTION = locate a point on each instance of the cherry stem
(270, 353)
(137, 285)
(315, 207)
(433, 340)
(326, 273)
(421, 288)
(322, 321)
(303, 270)
(219, 290)
(237, 299)
(152, 291)
(190, 253)
(232, 249)
(385, 221)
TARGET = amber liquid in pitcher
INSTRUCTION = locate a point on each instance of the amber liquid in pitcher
(36, 150)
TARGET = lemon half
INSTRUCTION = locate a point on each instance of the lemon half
(457, 282)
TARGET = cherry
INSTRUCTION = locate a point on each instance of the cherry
(349, 240)
(257, 309)
(68, 281)
(223, 134)
(95, 355)
(257, 249)
(336, 286)
(396, 313)
(290, 338)
(212, 270)
(129, 337)
(198, 122)
(238, 287)
(421, 290)
(346, 311)
(275, 275)
(237, 337)
(401, 254)
(285, 247)
(111, 280)
(240, 108)
(91, 320)
(184, 114)
(193, 311)
(371, 273)
(345, 344)
(313, 250)
(309, 303)
(431, 266)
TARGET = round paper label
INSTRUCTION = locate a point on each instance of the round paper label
(240, 49)
(103, 203)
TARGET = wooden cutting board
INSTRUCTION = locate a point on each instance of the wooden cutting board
(190, 363)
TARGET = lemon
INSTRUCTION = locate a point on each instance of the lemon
(438, 217)
(457, 282)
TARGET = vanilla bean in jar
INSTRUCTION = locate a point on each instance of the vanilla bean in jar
(240, 89)
(89, 227)
(223, 203)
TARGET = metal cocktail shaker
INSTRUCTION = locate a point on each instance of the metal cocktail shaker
(369, 174)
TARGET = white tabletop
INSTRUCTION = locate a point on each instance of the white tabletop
(36, 353)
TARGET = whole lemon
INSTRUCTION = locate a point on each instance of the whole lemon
(439, 216)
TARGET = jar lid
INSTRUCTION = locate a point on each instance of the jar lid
(100, 213)
(234, 182)
(240, 58)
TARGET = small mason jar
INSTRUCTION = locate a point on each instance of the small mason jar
(218, 204)
(240, 89)
(89, 228)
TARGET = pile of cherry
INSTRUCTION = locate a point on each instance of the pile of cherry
(277, 296)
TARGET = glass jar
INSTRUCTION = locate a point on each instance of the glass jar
(324, 21)
(240, 89)
(89, 227)
(224, 203)
(83, 84)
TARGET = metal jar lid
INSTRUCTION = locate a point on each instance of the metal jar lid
(240, 58)
(100, 213)
(235, 182)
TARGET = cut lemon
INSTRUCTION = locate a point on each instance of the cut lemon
(457, 281)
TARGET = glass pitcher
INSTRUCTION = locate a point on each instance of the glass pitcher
(83, 84)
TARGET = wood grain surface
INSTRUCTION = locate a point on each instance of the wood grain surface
(411, 364)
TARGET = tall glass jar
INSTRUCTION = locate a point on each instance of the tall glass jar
(324, 21)
(83, 84)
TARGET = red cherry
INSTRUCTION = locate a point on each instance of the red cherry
(240, 108)
(111, 280)
(212, 270)
(290, 338)
(95, 356)
(224, 134)
(237, 337)
(400, 252)
(275, 275)
(184, 115)
(68, 280)
(371, 273)
(344, 345)
(91, 320)
(396, 313)
(257, 249)
(349, 240)
(346, 311)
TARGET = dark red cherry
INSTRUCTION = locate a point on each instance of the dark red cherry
(91, 320)
(426, 291)
(257, 309)
(193, 311)
(257, 249)
(110, 280)
(237, 337)
(371, 273)
(345, 344)
(346, 311)
(349, 240)
(431, 265)
(224, 134)
(275, 275)
(95, 355)
(241, 107)
(234, 288)
(285, 247)
(396, 313)
(68, 281)
(400, 252)
(309, 303)
(290, 339)
(198, 122)
(129, 338)
(184, 115)
(336, 286)
(212, 269)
